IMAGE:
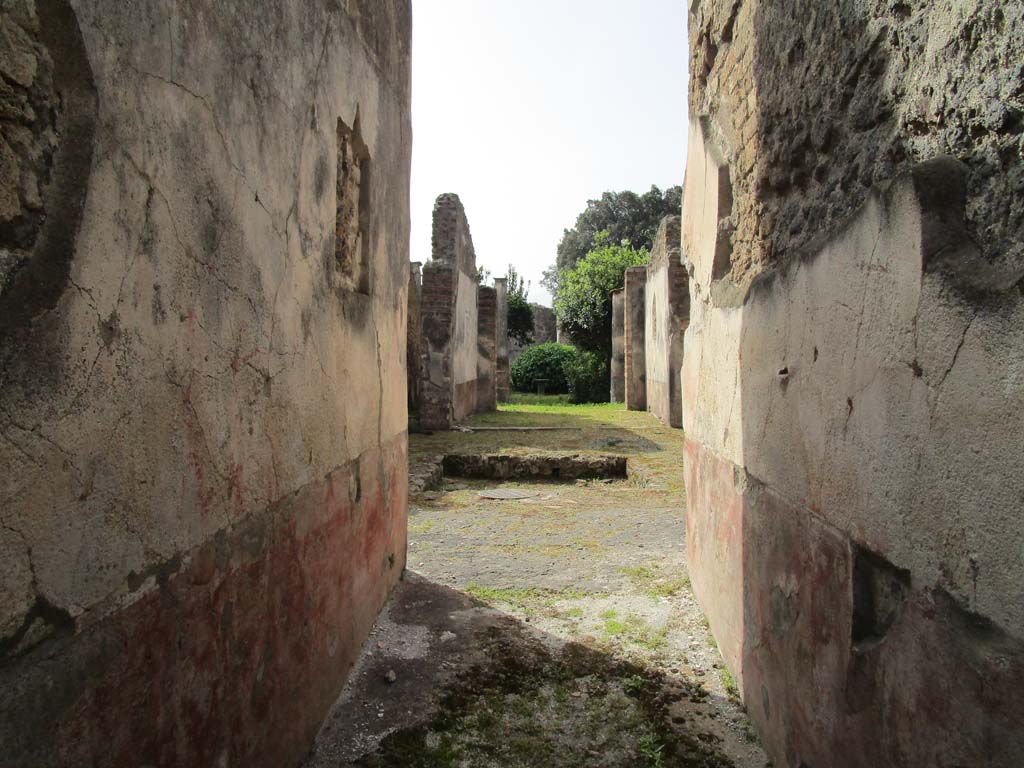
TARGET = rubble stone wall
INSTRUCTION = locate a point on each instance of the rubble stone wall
(449, 320)
(852, 390)
(203, 496)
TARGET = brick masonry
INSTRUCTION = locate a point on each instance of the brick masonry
(450, 369)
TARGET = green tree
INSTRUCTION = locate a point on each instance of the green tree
(584, 302)
(520, 313)
(624, 216)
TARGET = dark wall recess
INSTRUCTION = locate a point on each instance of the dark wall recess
(352, 222)
(879, 589)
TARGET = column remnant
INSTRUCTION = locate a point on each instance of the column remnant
(618, 364)
(633, 332)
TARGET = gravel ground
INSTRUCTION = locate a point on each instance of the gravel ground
(558, 629)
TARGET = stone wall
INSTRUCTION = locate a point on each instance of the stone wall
(666, 315)
(449, 320)
(852, 390)
(618, 363)
(487, 349)
(501, 381)
(635, 318)
(203, 501)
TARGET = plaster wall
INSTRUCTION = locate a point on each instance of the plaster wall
(666, 314)
(501, 381)
(464, 338)
(634, 322)
(487, 349)
(203, 504)
(880, 394)
(851, 380)
(618, 362)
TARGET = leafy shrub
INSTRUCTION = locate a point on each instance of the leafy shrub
(588, 377)
(584, 301)
(543, 361)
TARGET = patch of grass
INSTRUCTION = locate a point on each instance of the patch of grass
(515, 596)
(668, 588)
(614, 627)
(423, 527)
(574, 613)
(633, 629)
(634, 684)
(648, 637)
(648, 581)
(611, 613)
(557, 404)
(650, 748)
(528, 398)
(526, 599)
(638, 573)
(729, 682)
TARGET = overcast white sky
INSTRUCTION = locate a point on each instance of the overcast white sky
(528, 108)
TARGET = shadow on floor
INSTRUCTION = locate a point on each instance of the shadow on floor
(447, 681)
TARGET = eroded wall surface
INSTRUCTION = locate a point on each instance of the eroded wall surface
(487, 349)
(634, 322)
(449, 319)
(501, 381)
(666, 315)
(852, 384)
(618, 362)
(203, 252)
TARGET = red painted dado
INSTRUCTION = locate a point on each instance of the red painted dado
(714, 540)
(236, 657)
(777, 584)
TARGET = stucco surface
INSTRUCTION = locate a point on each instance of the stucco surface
(666, 315)
(618, 362)
(197, 366)
(464, 338)
(635, 348)
(868, 397)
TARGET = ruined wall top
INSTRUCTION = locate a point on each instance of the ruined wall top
(667, 246)
(813, 103)
(451, 241)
